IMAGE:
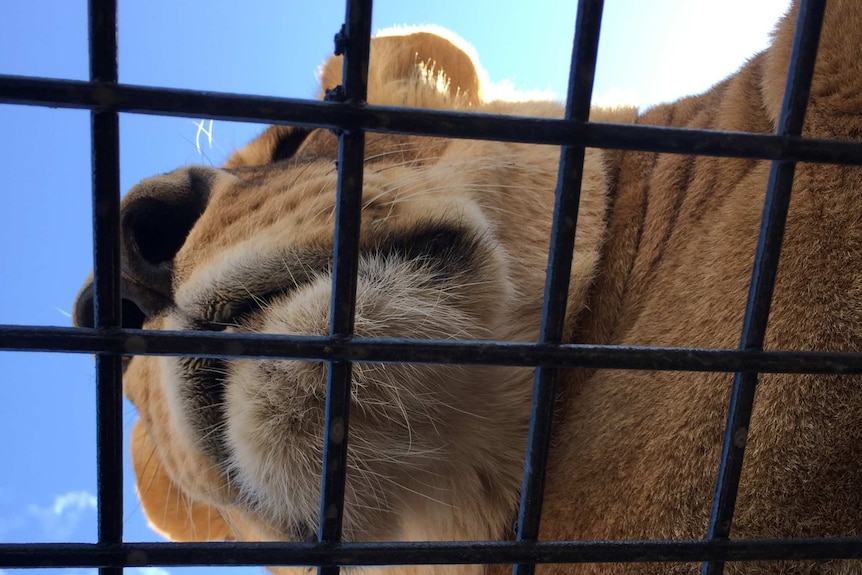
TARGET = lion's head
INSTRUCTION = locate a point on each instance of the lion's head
(454, 238)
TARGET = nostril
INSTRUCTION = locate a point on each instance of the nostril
(85, 314)
(133, 316)
(153, 232)
(156, 218)
(158, 230)
(137, 305)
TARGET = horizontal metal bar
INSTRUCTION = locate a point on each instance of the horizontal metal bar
(384, 119)
(70, 555)
(216, 344)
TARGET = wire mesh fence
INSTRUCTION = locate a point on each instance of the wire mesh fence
(105, 97)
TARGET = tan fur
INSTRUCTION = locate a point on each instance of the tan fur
(401, 62)
(663, 257)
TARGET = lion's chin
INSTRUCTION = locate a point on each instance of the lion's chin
(414, 444)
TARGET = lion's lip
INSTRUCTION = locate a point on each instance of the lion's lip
(201, 390)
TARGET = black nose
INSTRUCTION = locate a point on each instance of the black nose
(155, 219)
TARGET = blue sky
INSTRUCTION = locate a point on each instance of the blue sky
(651, 51)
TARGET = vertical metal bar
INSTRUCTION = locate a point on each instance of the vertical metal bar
(106, 256)
(354, 41)
(581, 75)
(776, 204)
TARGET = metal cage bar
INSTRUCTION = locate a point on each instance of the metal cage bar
(562, 244)
(775, 208)
(390, 350)
(354, 41)
(105, 132)
(105, 97)
(386, 119)
(20, 555)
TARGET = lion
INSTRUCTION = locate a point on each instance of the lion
(454, 242)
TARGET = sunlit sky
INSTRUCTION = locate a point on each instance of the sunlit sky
(650, 51)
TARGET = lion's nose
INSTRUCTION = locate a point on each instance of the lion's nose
(155, 219)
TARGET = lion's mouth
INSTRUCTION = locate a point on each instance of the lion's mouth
(202, 393)
(434, 258)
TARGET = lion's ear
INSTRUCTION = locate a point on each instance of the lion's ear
(416, 68)
(169, 510)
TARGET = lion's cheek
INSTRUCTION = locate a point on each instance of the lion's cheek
(274, 417)
(273, 436)
(402, 415)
